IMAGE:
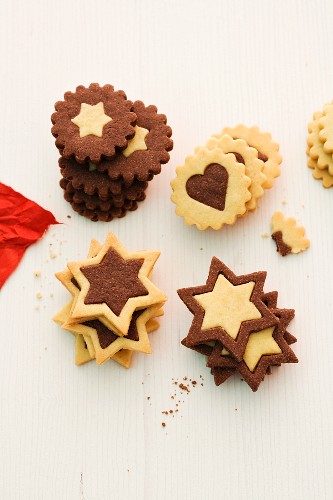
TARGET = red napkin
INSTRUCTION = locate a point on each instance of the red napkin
(22, 222)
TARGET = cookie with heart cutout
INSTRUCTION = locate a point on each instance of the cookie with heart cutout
(249, 157)
(146, 151)
(210, 189)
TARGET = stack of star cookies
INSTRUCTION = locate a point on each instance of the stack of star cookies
(238, 326)
(320, 145)
(110, 149)
(224, 179)
(114, 303)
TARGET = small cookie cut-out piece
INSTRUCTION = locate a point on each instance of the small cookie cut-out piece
(289, 237)
(238, 326)
(210, 189)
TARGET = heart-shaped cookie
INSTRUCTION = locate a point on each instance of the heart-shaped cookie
(211, 187)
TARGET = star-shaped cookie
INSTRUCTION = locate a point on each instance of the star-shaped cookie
(228, 308)
(115, 292)
(265, 348)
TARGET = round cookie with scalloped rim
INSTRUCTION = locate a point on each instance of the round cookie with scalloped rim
(316, 151)
(268, 150)
(249, 157)
(210, 189)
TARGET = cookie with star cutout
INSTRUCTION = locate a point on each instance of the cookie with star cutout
(93, 123)
(225, 310)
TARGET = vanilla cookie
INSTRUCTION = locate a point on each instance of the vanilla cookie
(323, 175)
(288, 236)
(210, 189)
(316, 148)
(268, 150)
(326, 128)
(249, 157)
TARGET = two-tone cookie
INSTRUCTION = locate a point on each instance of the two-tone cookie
(114, 302)
(108, 144)
(237, 326)
(210, 190)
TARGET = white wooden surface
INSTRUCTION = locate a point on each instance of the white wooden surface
(90, 433)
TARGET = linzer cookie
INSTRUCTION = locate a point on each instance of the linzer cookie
(92, 122)
(210, 189)
(237, 326)
(289, 237)
(114, 303)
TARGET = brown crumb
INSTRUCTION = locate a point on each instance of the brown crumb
(165, 412)
(184, 387)
(163, 424)
(69, 216)
(184, 378)
(148, 397)
(170, 411)
(194, 382)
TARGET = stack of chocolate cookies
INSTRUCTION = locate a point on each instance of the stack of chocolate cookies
(237, 325)
(110, 149)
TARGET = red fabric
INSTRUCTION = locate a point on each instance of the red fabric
(22, 222)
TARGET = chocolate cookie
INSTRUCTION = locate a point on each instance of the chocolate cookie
(146, 151)
(91, 123)
(97, 183)
(98, 215)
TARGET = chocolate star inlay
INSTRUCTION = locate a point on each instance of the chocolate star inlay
(114, 281)
(107, 336)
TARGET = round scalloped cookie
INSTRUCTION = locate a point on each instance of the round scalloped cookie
(268, 150)
(326, 128)
(249, 157)
(98, 215)
(319, 174)
(146, 151)
(92, 122)
(94, 182)
(324, 161)
(93, 202)
(210, 189)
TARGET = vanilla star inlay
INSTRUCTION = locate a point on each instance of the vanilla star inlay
(227, 306)
(137, 143)
(260, 344)
(91, 119)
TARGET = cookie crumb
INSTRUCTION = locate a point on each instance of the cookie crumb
(39, 295)
(69, 216)
(265, 235)
(37, 274)
(163, 424)
(284, 202)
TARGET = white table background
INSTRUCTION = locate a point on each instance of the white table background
(90, 433)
